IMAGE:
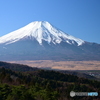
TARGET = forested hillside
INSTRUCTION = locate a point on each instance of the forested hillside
(40, 84)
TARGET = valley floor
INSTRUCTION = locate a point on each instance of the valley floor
(61, 65)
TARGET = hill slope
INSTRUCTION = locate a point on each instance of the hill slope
(43, 85)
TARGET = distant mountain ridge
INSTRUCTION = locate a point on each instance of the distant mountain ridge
(40, 40)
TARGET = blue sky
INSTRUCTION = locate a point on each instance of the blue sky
(80, 18)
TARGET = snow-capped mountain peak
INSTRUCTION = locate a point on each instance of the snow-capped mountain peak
(40, 30)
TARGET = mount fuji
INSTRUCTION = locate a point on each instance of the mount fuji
(40, 30)
(40, 40)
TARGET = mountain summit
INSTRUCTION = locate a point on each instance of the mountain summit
(40, 30)
(40, 40)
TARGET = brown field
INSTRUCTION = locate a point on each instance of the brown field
(62, 65)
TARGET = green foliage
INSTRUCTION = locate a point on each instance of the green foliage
(43, 85)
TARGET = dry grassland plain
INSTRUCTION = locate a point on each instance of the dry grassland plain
(62, 65)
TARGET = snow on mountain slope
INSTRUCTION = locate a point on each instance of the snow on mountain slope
(40, 30)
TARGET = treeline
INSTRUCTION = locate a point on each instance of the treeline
(16, 67)
(44, 85)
